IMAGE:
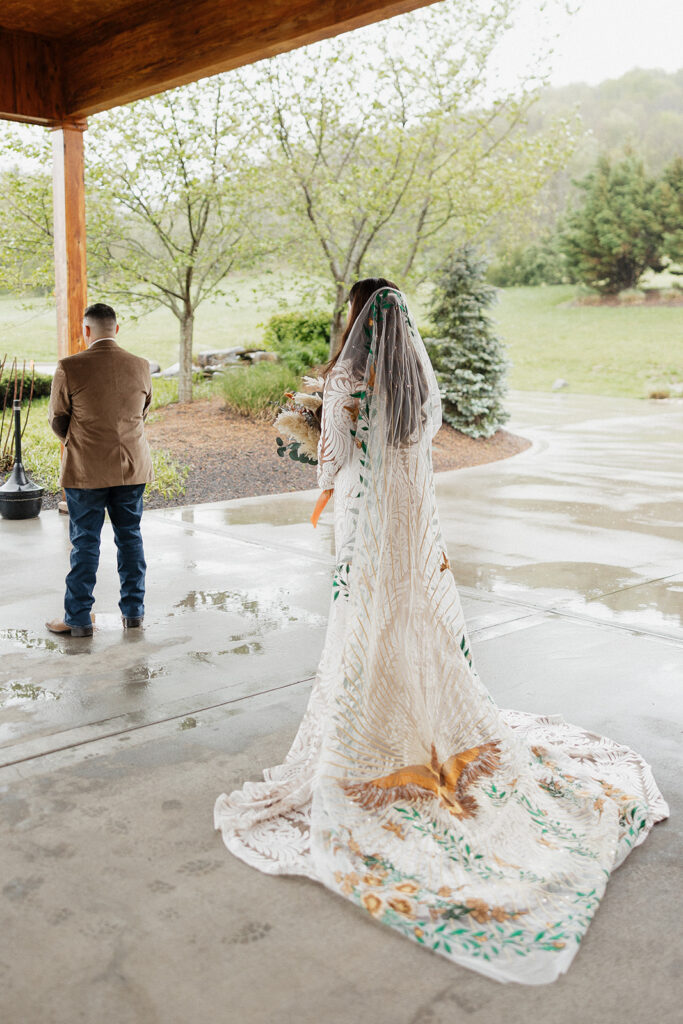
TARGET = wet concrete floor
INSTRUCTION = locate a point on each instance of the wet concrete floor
(120, 903)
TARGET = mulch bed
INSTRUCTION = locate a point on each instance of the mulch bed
(649, 298)
(231, 456)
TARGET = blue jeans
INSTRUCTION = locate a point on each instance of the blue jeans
(86, 516)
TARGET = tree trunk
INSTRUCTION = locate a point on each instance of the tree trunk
(185, 371)
(337, 328)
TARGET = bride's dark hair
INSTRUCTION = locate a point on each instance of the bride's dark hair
(403, 380)
(359, 294)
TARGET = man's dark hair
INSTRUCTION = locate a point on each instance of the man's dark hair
(101, 312)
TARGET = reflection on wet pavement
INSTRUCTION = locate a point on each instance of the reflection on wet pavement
(585, 523)
(591, 511)
(18, 693)
(270, 613)
(25, 638)
(113, 749)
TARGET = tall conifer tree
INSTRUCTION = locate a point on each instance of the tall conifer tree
(469, 359)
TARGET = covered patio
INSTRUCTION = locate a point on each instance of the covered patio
(121, 902)
(64, 60)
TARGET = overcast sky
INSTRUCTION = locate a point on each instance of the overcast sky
(603, 40)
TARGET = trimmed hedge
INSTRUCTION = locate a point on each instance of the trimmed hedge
(41, 386)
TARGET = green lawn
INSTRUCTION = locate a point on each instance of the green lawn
(600, 350)
(29, 331)
(604, 350)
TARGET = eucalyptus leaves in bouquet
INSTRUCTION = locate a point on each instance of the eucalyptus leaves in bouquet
(299, 420)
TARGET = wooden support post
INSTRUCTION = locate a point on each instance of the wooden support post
(69, 235)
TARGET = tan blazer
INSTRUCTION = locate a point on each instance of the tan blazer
(98, 404)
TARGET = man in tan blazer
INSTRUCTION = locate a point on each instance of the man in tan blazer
(98, 404)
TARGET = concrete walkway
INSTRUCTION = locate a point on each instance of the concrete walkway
(120, 903)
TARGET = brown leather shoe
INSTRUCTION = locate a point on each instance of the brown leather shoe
(59, 626)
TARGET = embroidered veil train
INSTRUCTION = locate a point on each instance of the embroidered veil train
(485, 834)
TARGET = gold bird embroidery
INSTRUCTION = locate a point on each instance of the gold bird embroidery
(447, 781)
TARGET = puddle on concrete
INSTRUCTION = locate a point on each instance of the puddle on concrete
(265, 613)
(17, 693)
(202, 656)
(253, 647)
(275, 513)
(656, 605)
(144, 673)
(28, 640)
(585, 580)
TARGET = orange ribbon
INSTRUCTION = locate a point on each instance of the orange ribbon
(320, 505)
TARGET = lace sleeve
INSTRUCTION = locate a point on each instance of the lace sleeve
(335, 447)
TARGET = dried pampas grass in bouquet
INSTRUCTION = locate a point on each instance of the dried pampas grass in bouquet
(298, 423)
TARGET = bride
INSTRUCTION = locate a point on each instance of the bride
(485, 834)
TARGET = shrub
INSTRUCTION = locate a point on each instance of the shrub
(468, 358)
(257, 390)
(41, 385)
(302, 340)
(169, 475)
(535, 264)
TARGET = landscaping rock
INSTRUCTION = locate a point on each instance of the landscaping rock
(560, 384)
(174, 370)
(220, 357)
(261, 357)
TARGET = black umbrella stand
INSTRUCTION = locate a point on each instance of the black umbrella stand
(20, 498)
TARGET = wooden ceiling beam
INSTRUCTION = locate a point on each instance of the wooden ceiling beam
(161, 44)
(31, 78)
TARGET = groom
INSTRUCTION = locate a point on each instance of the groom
(98, 404)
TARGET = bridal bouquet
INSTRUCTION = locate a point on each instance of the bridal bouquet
(298, 421)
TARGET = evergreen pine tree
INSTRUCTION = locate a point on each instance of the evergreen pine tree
(616, 234)
(669, 205)
(468, 358)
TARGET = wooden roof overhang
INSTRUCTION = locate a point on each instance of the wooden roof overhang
(62, 60)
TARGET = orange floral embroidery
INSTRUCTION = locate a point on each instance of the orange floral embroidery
(479, 910)
(373, 880)
(401, 906)
(347, 883)
(372, 903)
(409, 887)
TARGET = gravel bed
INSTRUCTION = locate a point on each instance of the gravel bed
(232, 456)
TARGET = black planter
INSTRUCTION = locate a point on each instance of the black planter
(20, 498)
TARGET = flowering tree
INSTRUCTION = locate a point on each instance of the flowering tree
(177, 202)
(386, 147)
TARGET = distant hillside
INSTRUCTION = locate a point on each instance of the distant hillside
(642, 109)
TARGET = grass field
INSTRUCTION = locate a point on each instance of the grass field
(600, 350)
(625, 351)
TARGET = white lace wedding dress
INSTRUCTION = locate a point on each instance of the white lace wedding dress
(485, 834)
